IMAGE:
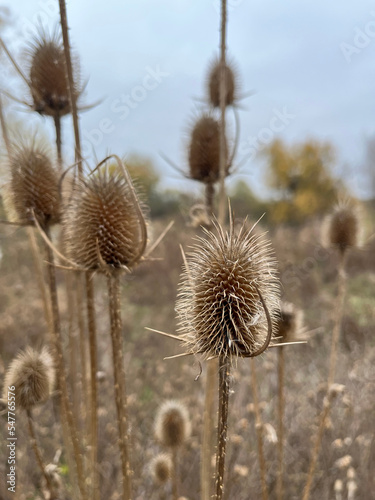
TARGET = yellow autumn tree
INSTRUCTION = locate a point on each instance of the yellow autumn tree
(301, 178)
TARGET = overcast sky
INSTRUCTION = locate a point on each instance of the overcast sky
(311, 66)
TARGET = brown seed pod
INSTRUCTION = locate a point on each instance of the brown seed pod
(213, 84)
(172, 424)
(101, 224)
(32, 375)
(204, 150)
(33, 188)
(219, 305)
(161, 468)
(343, 227)
(48, 76)
(289, 321)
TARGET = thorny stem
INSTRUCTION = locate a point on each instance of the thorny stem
(207, 438)
(119, 378)
(223, 159)
(339, 308)
(60, 367)
(280, 433)
(57, 120)
(72, 93)
(259, 430)
(37, 452)
(224, 371)
(82, 347)
(210, 193)
(94, 396)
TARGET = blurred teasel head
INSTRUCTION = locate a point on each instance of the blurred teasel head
(343, 227)
(289, 323)
(33, 189)
(48, 80)
(213, 84)
(32, 375)
(204, 150)
(228, 294)
(104, 225)
(161, 468)
(172, 424)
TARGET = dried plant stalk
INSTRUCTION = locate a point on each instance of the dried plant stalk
(120, 381)
(280, 431)
(208, 429)
(259, 430)
(224, 371)
(339, 309)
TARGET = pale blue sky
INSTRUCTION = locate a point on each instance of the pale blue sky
(290, 53)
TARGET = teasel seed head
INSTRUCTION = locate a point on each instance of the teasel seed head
(32, 374)
(343, 227)
(213, 84)
(289, 323)
(48, 78)
(161, 468)
(102, 223)
(204, 150)
(33, 189)
(228, 294)
(172, 424)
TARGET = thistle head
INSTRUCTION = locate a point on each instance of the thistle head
(228, 294)
(289, 321)
(172, 424)
(104, 226)
(32, 375)
(213, 84)
(48, 79)
(33, 190)
(161, 468)
(343, 227)
(204, 150)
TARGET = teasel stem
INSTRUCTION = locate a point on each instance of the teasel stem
(72, 94)
(224, 372)
(91, 322)
(210, 193)
(67, 412)
(57, 121)
(259, 430)
(339, 308)
(223, 159)
(212, 365)
(72, 344)
(174, 478)
(31, 236)
(119, 379)
(82, 347)
(280, 419)
(37, 452)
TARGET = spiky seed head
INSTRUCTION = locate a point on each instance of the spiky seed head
(48, 76)
(218, 306)
(213, 84)
(289, 321)
(204, 150)
(101, 224)
(32, 374)
(161, 468)
(33, 187)
(343, 227)
(172, 424)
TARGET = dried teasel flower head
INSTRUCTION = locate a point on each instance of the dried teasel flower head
(213, 84)
(204, 150)
(161, 468)
(48, 78)
(289, 323)
(32, 375)
(172, 424)
(33, 189)
(343, 227)
(228, 294)
(104, 226)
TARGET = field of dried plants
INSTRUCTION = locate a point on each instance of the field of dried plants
(268, 391)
